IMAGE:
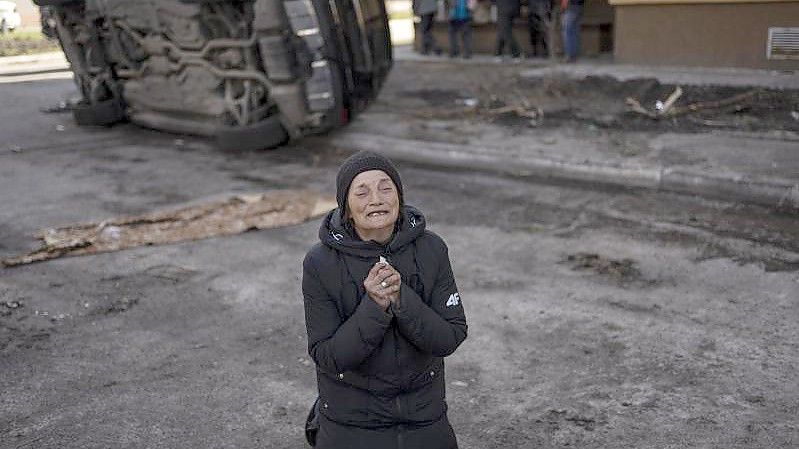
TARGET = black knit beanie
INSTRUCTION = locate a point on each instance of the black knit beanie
(358, 163)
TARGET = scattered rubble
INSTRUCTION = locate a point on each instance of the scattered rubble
(232, 216)
(620, 270)
(61, 107)
(500, 95)
(8, 307)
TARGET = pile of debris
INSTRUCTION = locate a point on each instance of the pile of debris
(234, 215)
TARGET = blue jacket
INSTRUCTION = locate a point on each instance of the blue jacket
(460, 10)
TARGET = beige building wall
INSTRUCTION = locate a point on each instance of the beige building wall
(707, 34)
(29, 13)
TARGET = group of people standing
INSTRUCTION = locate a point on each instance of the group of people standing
(539, 13)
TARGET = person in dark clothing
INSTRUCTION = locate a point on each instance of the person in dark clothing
(460, 26)
(507, 10)
(572, 15)
(538, 14)
(426, 10)
(382, 310)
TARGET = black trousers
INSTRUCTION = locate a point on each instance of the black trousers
(428, 41)
(538, 33)
(505, 34)
(460, 28)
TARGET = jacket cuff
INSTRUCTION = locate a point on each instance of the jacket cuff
(372, 320)
(409, 303)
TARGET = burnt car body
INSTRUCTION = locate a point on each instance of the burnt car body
(249, 73)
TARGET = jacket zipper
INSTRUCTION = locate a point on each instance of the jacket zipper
(401, 427)
(398, 399)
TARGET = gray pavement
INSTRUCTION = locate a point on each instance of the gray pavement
(752, 169)
(690, 341)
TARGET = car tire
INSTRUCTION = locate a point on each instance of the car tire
(267, 133)
(103, 113)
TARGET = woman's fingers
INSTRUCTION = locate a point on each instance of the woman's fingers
(389, 275)
(375, 270)
(392, 279)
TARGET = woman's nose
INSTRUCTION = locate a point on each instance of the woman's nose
(374, 198)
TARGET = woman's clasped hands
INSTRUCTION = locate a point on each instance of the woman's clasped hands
(383, 284)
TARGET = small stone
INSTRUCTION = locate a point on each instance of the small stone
(60, 127)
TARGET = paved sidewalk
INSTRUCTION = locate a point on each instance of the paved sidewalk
(605, 67)
(749, 169)
(33, 64)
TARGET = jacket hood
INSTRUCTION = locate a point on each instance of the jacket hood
(335, 233)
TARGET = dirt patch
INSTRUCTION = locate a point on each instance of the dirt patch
(623, 270)
(118, 305)
(25, 43)
(436, 97)
(501, 95)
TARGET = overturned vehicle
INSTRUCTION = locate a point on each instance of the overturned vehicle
(249, 73)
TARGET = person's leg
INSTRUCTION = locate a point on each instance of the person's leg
(453, 38)
(514, 46)
(500, 34)
(428, 42)
(544, 34)
(539, 40)
(578, 16)
(532, 28)
(467, 38)
(568, 23)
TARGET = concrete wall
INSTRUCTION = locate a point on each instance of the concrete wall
(708, 35)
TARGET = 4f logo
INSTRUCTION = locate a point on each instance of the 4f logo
(454, 299)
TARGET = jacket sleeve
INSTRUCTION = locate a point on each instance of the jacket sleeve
(335, 345)
(439, 328)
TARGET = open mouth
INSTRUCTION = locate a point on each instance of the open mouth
(377, 213)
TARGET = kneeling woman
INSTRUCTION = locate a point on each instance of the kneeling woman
(382, 311)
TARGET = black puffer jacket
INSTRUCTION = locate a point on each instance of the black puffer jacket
(381, 371)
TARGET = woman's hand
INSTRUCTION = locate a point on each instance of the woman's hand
(383, 284)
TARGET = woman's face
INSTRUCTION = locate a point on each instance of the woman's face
(373, 204)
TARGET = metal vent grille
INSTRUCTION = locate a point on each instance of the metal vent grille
(783, 43)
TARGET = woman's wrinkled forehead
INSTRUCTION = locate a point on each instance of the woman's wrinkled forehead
(370, 177)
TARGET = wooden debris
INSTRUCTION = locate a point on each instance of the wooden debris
(669, 103)
(235, 215)
(669, 109)
(635, 106)
(736, 102)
